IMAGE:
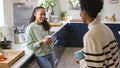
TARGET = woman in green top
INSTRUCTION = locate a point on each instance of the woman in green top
(36, 41)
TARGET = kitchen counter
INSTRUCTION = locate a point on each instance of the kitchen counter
(55, 29)
(23, 59)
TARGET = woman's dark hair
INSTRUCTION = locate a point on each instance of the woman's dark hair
(92, 7)
(46, 25)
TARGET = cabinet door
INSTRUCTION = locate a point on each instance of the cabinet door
(34, 65)
(77, 31)
(28, 63)
(115, 28)
(59, 43)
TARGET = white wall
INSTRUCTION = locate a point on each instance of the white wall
(8, 10)
(1, 13)
(8, 20)
(7, 30)
(109, 9)
(30, 3)
(64, 7)
(112, 8)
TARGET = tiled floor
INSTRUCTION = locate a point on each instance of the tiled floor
(67, 60)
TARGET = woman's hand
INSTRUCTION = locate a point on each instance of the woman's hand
(47, 40)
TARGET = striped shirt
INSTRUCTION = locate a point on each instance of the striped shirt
(100, 47)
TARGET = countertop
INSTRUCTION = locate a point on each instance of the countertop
(55, 29)
(23, 59)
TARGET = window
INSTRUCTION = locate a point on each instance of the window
(1, 13)
(40, 2)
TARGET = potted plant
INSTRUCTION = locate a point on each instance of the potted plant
(49, 6)
(63, 15)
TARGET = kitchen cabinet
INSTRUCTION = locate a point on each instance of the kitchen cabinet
(30, 63)
(71, 35)
(115, 28)
(76, 32)
(58, 44)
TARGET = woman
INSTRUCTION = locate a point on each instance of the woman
(100, 46)
(36, 40)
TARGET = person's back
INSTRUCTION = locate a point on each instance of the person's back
(100, 46)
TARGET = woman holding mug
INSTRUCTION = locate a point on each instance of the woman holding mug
(37, 41)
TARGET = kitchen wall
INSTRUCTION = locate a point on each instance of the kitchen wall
(111, 8)
(108, 10)
(8, 28)
(8, 19)
(64, 7)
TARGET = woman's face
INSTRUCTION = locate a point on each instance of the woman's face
(40, 15)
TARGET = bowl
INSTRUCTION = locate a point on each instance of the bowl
(6, 44)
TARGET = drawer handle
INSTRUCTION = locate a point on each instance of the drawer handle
(55, 43)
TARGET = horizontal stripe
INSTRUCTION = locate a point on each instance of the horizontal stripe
(94, 67)
(107, 52)
(93, 54)
(108, 58)
(115, 59)
(114, 47)
(110, 52)
(95, 61)
(117, 65)
(108, 44)
(115, 52)
(109, 65)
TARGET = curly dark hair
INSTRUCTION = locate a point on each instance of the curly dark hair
(45, 24)
(92, 7)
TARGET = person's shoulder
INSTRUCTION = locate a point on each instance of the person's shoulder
(30, 26)
(91, 34)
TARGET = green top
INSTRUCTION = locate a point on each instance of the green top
(34, 34)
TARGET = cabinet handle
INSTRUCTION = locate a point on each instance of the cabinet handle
(55, 43)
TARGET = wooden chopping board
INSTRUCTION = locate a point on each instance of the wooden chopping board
(56, 24)
(12, 57)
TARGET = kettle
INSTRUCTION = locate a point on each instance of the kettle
(19, 38)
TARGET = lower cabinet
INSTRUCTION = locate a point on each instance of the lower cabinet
(59, 43)
(115, 29)
(30, 63)
(34, 64)
(75, 34)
